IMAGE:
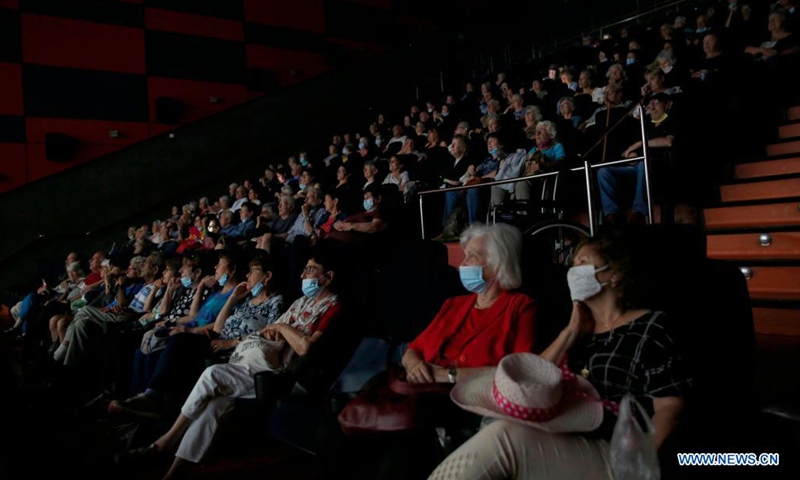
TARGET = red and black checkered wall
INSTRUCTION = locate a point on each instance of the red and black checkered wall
(109, 73)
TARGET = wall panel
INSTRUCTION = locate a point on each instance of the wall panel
(282, 62)
(13, 167)
(12, 129)
(195, 96)
(40, 167)
(99, 11)
(168, 21)
(10, 89)
(10, 42)
(93, 132)
(80, 44)
(85, 94)
(307, 15)
(196, 58)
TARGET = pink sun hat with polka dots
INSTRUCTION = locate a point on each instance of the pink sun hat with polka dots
(527, 389)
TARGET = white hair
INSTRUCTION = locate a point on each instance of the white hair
(550, 127)
(537, 112)
(503, 251)
(137, 263)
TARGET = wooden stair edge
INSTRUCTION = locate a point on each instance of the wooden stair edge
(776, 321)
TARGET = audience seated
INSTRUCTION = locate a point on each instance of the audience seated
(660, 136)
(614, 342)
(704, 72)
(272, 348)
(157, 373)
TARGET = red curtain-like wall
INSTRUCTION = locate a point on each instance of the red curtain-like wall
(93, 71)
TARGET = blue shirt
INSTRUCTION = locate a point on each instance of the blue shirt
(488, 166)
(555, 152)
(210, 309)
(130, 290)
(242, 229)
(299, 227)
(137, 304)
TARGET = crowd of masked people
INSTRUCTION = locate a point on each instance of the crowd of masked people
(229, 287)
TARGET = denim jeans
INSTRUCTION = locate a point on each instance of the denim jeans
(475, 204)
(610, 180)
(450, 202)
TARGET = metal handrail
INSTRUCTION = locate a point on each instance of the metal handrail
(587, 168)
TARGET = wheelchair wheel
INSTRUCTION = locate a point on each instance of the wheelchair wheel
(554, 241)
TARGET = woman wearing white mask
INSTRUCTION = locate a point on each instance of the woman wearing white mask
(292, 335)
(620, 349)
(479, 329)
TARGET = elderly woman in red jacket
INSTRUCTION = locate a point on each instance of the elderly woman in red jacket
(479, 329)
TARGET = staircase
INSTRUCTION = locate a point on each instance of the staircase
(757, 226)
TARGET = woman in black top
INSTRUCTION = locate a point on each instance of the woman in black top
(620, 348)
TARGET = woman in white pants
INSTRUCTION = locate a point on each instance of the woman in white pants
(220, 385)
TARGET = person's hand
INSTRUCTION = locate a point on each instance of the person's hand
(117, 309)
(581, 321)
(162, 323)
(272, 332)
(471, 170)
(41, 289)
(173, 285)
(700, 73)
(240, 291)
(220, 345)
(420, 372)
(752, 50)
(645, 90)
(306, 208)
(121, 281)
(178, 330)
(338, 226)
(158, 284)
(208, 281)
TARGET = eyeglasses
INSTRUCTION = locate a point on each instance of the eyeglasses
(310, 271)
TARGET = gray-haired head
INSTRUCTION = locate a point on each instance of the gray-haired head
(536, 111)
(550, 127)
(503, 244)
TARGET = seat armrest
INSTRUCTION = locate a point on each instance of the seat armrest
(272, 386)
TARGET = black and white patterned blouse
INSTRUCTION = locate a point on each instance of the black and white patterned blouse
(639, 358)
(248, 318)
(183, 303)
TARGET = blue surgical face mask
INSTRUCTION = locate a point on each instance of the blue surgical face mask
(494, 151)
(362, 145)
(303, 161)
(378, 142)
(223, 280)
(303, 186)
(472, 278)
(630, 61)
(791, 10)
(702, 29)
(257, 289)
(186, 282)
(368, 204)
(310, 287)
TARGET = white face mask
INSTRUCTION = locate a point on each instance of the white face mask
(583, 282)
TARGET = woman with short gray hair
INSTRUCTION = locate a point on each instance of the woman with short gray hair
(477, 330)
